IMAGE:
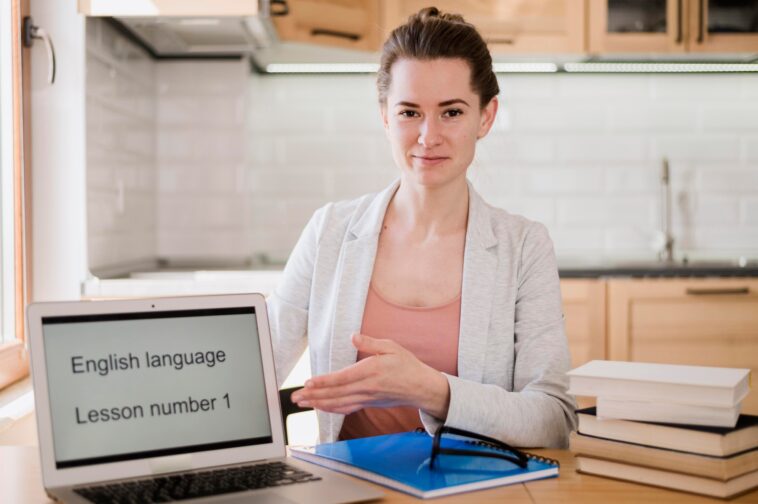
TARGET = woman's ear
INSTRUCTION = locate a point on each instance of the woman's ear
(488, 117)
(385, 119)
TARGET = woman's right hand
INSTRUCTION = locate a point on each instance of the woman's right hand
(392, 376)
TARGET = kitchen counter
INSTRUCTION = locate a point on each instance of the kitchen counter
(652, 269)
(225, 282)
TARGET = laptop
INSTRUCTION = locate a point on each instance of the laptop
(152, 400)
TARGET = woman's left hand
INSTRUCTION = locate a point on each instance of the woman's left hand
(392, 376)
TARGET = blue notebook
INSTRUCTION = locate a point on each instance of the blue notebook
(401, 461)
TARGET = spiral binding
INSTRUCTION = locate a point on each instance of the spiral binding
(545, 460)
(532, 456)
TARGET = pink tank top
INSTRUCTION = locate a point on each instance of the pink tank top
(430, 333)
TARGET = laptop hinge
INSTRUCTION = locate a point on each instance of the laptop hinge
(174, 463)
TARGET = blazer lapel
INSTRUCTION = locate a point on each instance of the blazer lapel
(479, 265)
(356, 268)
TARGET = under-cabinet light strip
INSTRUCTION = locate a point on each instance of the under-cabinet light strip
(524, 67)
(322, 68)
(616, 67)
(601, 67)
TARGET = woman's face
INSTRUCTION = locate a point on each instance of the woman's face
(433, 119)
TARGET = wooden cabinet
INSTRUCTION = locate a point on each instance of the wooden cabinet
(723, 26)
(584, 318)
(672, 26)
(631, 27)
(508, 26)
(707, 322)
(350, 24)
(541, 26)
(584, 312)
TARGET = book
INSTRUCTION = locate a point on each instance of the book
(694, 385)
(703, 440)
(666, 412)
(667, 479)
(721, 468)
(401, 461)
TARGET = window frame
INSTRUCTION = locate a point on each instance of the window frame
(14, 359)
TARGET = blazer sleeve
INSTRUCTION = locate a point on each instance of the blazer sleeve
(538, 411)
(288, 304)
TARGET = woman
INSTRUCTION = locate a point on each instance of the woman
(422, 304)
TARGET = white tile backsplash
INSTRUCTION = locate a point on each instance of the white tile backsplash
(652, 118)
(576, 181)
(602, 147)
(218, 163)
(750, 147)
(697, 147)
(121, 173)
(749, 211)
(698, 89)
(729, 180)
(615, 88)
(732, 118)
(616, 211)
(515, 147)
(578, 116)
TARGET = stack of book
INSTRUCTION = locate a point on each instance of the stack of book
(672, 426)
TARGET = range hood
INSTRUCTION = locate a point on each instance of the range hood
(171, 37)
(190, 28)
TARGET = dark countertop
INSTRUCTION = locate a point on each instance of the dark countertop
(653, 269)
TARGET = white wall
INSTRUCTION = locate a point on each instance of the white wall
(59, 256)
(121, 153)
(169, 128)
(203, 210)
(243, 160)
(580, 153)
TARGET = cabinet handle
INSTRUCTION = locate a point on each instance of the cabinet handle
(332, 33)
(282, 10)
(701, 22)
(679, 34)
(32, 32)
(724, 291)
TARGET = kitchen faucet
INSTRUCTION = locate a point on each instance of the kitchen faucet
(666, 254)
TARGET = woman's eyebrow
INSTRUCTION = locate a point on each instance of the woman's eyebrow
(450, 102)
(440, 104)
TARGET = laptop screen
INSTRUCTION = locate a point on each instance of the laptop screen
(135, 385)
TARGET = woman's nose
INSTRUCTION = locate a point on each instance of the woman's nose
(429, 134)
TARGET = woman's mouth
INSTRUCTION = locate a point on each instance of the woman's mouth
(429, 160)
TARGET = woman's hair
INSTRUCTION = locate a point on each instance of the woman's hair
(431, 34)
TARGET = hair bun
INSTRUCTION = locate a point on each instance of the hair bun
(433, 13)
(428, 12)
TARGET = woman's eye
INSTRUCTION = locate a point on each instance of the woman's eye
(453, 113)
(408, 113)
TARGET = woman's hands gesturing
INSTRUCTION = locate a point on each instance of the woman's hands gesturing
(392, 376)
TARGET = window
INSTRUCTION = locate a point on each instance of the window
(7, 325)
(13, 356)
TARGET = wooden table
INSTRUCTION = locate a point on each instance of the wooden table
(20, 483)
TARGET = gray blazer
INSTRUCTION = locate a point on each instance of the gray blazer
(512, 356)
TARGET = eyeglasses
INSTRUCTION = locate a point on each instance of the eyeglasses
(504, 450)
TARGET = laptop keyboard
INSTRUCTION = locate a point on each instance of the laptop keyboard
(197, 484)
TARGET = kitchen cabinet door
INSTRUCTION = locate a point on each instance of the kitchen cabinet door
(705, 322)
(350, 24)
(633, 26)
(723, 26)
(508, 26)
(584, 318)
